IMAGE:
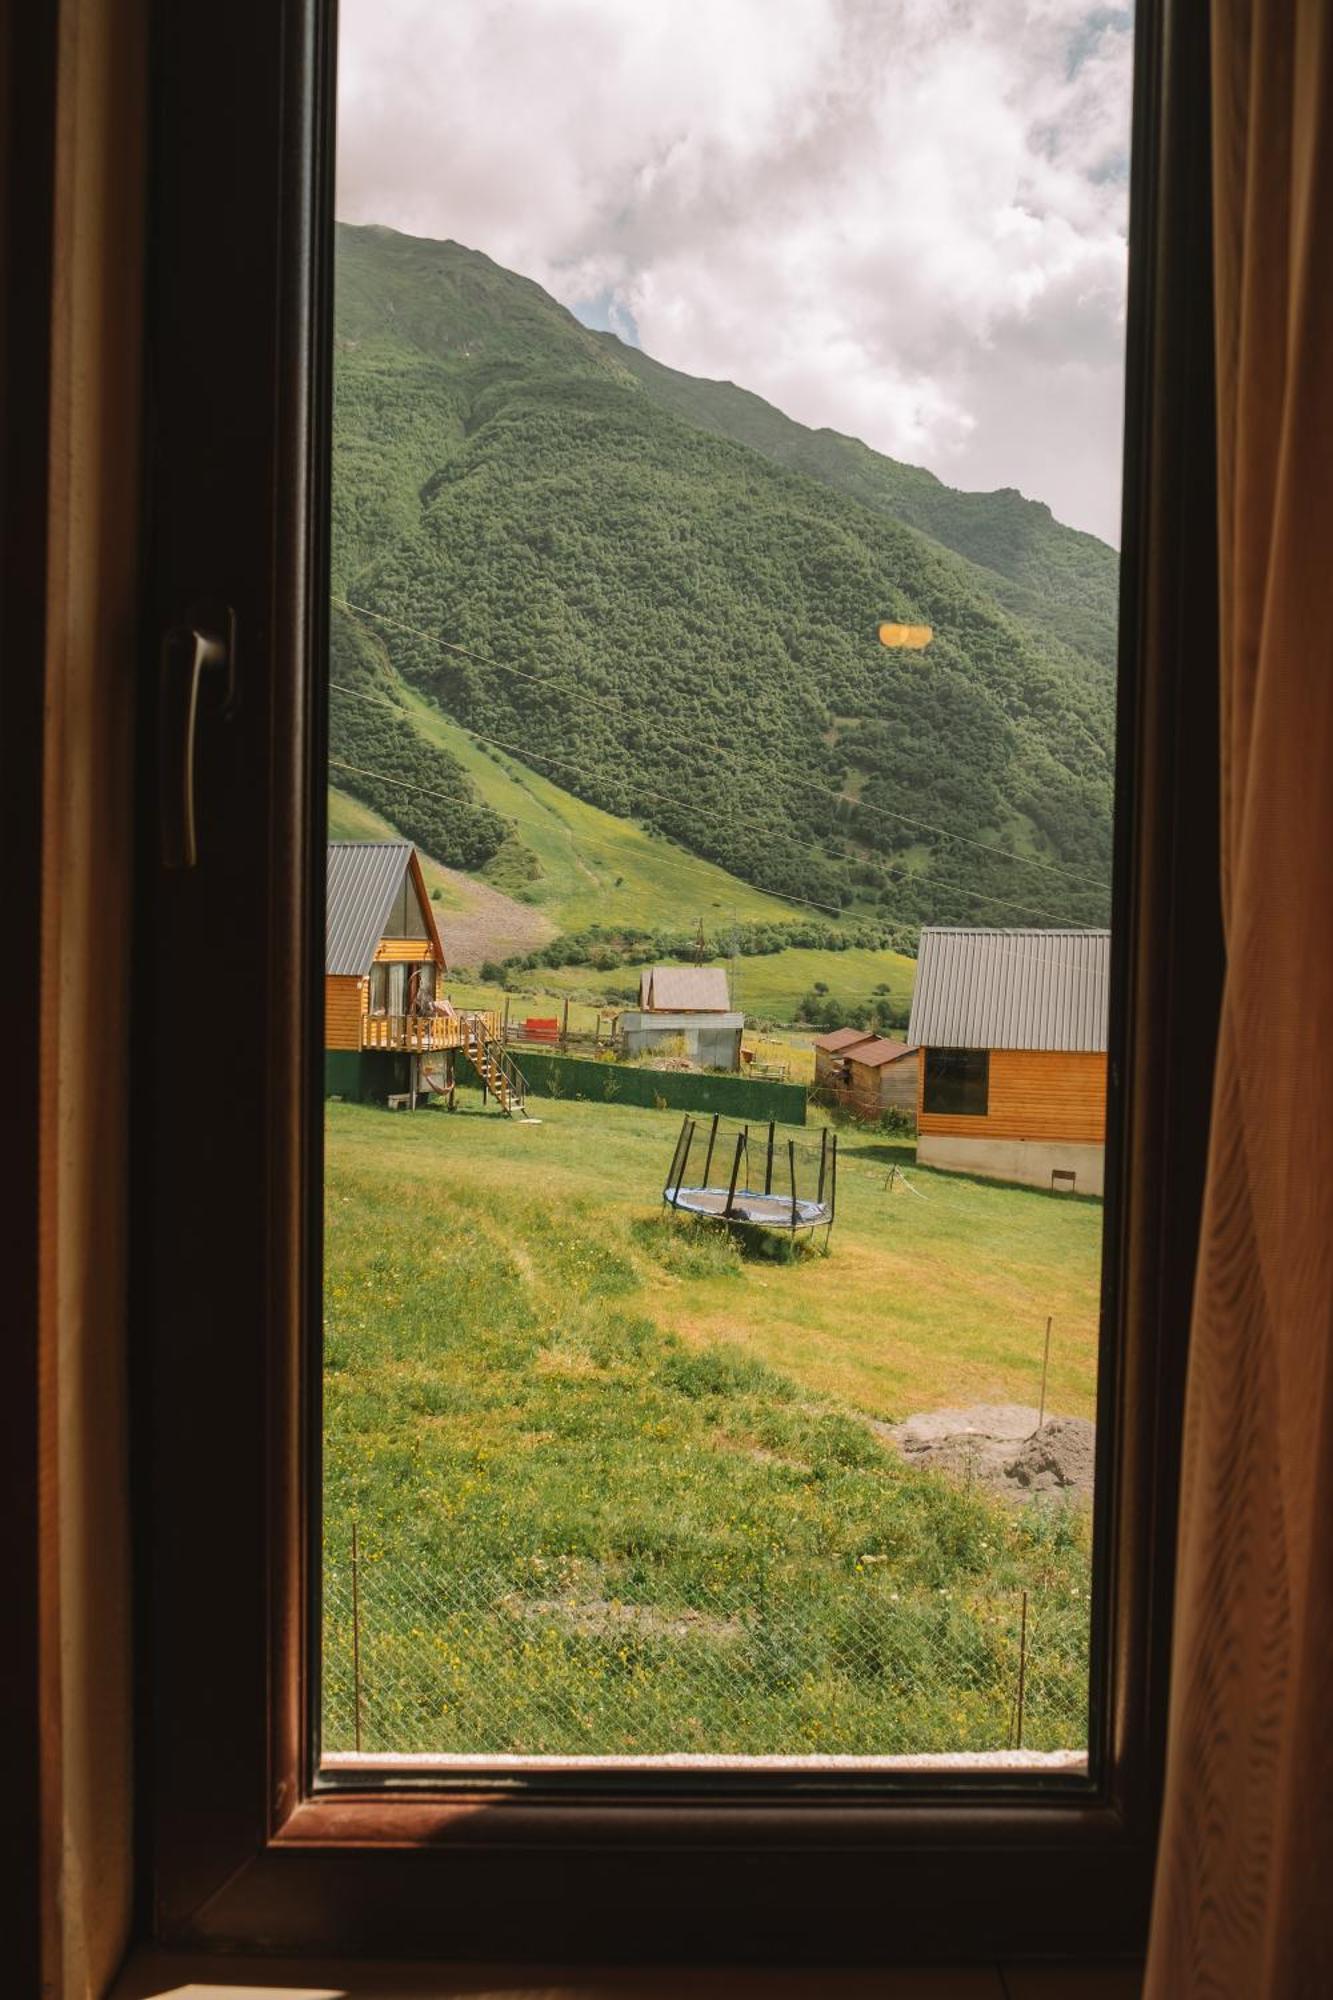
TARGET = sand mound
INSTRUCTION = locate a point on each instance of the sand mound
(999, 1446)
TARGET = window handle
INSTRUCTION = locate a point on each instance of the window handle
(198, 646)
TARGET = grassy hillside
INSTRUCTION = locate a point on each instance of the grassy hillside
(618, 1489)
(682, 628)
(591, 867)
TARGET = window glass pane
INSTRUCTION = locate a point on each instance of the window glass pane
(726, 442)
(957, 1082)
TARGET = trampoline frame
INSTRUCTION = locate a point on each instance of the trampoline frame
(733, 1205)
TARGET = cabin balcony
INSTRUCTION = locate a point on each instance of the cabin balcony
(423, 1034)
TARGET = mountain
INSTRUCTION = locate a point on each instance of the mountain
(667, 594)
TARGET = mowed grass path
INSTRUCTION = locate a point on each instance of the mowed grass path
(614, 1485)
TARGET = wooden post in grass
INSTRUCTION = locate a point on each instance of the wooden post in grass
(1022, 1672)
(735, 1174)
(712, 1140)
(1045, 1364)
(356, 1644)
(768, 1163)
(791, 1163)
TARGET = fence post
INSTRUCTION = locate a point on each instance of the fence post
(356, 1643)
(1045, 1364)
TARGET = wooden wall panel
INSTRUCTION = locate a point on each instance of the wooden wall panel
(404, 951)
(1034, 1094)
(344, 1004)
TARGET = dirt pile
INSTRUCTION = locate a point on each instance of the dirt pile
(1002, 1447)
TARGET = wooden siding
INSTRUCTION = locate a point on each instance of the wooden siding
(884, 1086)
(344, 1004)
(1034, 1094)
(406, 951)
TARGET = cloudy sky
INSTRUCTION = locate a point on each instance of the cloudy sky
(904, 219)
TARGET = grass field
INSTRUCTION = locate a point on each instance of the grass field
(768, 987)
(618, 1488)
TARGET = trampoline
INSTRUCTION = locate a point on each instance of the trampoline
(744, 1175)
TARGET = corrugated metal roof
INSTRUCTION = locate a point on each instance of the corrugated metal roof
(842, 1038)
(684, 989)
(1011, 990)
(877, 1053)
(364, 876)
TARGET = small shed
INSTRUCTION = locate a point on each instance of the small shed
(685, 1011)
(1012, 1030)
(832, 1052)
(882, 1077)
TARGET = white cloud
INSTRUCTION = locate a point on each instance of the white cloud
(904, 219)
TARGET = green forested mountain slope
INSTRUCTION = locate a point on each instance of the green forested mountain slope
(1061, 581)
(683, 629)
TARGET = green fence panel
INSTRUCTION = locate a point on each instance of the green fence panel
(755, 1098)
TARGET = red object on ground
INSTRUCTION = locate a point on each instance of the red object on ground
(541, 1031)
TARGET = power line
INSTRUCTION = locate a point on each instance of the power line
(668, 798)
(803, 784)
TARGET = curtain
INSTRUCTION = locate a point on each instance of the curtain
(1244, 1897)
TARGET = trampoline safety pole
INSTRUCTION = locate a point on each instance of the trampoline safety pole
(823, 1163)
(735, 1175)
(768, 1163)
(684, 1162)
(791, 1163)
(673, 1174)
(708, 1162)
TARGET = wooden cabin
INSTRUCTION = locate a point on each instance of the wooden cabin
(832, 1052)
(881, 1076)
(388, 1032)
(1011, 1028)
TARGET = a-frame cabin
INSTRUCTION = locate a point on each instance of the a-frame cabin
(388, 1033)
(383, 968)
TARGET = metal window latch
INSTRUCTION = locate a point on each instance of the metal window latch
(203, 644)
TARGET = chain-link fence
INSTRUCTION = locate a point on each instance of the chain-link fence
(551, 1660)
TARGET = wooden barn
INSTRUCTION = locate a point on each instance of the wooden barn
(389, 1033)
(1011, 1029)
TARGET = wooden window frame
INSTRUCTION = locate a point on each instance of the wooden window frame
(239, 1845)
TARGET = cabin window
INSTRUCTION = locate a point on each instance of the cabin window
(957, 1082)
(405, 919)
(379, 989)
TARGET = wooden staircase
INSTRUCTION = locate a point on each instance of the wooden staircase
(500, 1074)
